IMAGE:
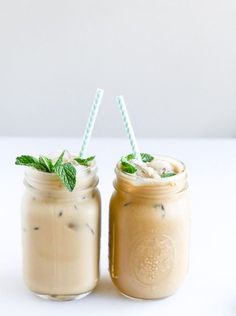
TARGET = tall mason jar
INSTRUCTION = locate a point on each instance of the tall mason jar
(61, 235)
(149, 228)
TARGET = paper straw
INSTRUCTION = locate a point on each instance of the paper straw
(128, 127)
(90, 123)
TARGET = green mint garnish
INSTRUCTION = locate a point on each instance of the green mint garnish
(130, 157)
(126, 166)
(59, 160)
(67, 174)
(65, 171)
(47, 163)
(168, 174)
(30, 161)
(85, 161)
(145, 157)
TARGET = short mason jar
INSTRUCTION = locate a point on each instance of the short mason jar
(149, 230)
(61, 235)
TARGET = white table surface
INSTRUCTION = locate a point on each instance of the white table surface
(210, 286)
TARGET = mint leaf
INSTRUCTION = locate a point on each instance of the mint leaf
(130, 156)
(67, 174)
(30, 161)
(26, 160)
(145, 157)
(85, 161)
(168, 174)
(59, 160)
(65, 171)
(126, 166)
(47, 163)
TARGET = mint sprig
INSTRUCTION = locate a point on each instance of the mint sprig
(128, 167)
(47, 163)
(168, 174)
(67, 174)
(65, 171)
(84, 162)
(145, 157)
(29, 161)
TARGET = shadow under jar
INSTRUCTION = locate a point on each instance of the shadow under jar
(61, 235)
(149, 228)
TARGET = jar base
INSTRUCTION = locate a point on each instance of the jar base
(62, 298)
(146, 299)
(131, 297)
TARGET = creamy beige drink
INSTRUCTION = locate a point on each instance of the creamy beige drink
(61, 234)
(149, 228)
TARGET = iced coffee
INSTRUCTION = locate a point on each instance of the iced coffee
(61, 233)
(149, 227)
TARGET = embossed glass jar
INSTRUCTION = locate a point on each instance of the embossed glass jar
(61, 235)
(149, 228)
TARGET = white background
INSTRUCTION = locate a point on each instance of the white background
(210, 286)
(174, 61)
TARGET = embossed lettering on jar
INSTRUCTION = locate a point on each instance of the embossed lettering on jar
(61, 235)
(149, 234)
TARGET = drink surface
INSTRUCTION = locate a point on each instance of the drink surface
(158, 167)
(149, 231)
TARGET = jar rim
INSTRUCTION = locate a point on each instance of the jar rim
(131, 183)
(44, 181)
(150, 181)
(93, 167)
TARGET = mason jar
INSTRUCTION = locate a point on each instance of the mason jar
(149, 228)
(61, 234)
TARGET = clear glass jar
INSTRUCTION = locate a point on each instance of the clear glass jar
(149, 228)
(61, 235)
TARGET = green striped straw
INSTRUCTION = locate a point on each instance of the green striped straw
(90, 123)
(128, 127)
